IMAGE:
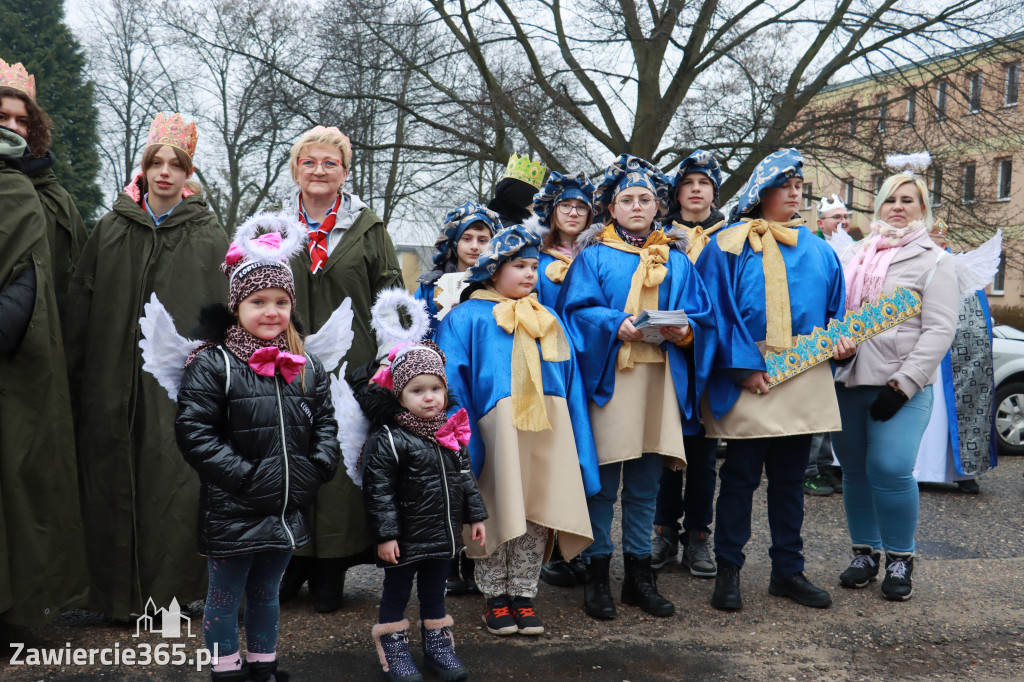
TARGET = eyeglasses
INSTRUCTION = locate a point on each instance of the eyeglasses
(837, 217)
(626, 202)
(565, 208)
(327, 164)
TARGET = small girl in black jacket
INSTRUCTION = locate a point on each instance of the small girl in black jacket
(418, 490)
(256, 421)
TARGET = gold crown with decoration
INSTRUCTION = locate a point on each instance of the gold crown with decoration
(173, 131)
(530, 172)
(18, 78)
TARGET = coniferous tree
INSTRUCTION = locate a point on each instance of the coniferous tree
(34, 33)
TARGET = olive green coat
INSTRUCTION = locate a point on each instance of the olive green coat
(65, 231)
(139, 497)
(42, 551)
(362, 264)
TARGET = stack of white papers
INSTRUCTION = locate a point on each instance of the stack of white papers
(649, 322)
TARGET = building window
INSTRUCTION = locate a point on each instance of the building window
(970, 170)
(937, 186)
(1011, 84)
(974, 93)
(853, 118)
(1005, 179)
(999, 282)
(883, 113)
(940, 100)
(876, 181)
(911, 107)
(808, 191)
(848, 192)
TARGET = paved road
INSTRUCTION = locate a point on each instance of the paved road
(965, 622)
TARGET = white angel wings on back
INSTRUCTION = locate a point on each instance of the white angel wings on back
(164, 350)
(976, 269)
(332, 341)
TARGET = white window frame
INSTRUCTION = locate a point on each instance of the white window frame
(1011, 84)
(973, 185)
(848, 192)
(975, 85)
(1004, 164)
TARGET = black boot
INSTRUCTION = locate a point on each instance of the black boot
(468, 570)
(240, 675)
(798, 588)
(726, 596)
(597, 590)
(327, 583)
(639, 587)
(266, 671)
(295, 575)
(557, 571)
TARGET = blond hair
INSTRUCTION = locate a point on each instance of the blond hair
(331, 137)
(893, 183)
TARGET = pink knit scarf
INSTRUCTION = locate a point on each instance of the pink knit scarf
(865, 275)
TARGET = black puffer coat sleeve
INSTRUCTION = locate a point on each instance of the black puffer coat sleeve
(200, 425)
(380, 487)
(473, 504)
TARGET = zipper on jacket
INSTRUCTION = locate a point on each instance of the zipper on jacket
(284, 453)
(447, 500)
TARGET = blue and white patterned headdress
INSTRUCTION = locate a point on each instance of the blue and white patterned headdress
(700, 161)
(517, 241)
(773, 171)
(455, 223)
(631, 171)
(562, 188)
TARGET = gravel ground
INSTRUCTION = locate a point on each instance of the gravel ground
(965, 621)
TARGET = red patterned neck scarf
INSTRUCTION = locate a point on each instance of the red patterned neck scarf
(318, 237)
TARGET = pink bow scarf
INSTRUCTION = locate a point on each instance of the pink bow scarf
(270, 359)
(865, 274)
(456, 431)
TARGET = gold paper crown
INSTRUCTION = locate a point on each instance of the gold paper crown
(18, 78)
(939, 228)
(175, 132)
(522, 168)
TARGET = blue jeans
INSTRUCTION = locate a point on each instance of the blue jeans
(783, 460)
(639, 494)
(256, 575)
(879, 490)
(696, 505)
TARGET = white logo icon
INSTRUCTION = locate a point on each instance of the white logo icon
(165, 622)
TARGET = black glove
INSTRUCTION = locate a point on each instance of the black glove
(887, 404)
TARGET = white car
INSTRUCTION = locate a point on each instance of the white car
(1008, 365)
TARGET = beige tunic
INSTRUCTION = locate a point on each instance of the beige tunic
(531, 476)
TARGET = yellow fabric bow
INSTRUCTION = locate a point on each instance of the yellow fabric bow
(526, 319)
(643, 290)
(697, 238)
(556, 269)
(765, 236)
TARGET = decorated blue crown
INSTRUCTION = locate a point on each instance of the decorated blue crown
(562, 188)
(517, 241)
(700, 161)
(631, 171)
(773, 171)
(455, 223)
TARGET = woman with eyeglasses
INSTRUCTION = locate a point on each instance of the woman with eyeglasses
(349, 254)
(643, 394)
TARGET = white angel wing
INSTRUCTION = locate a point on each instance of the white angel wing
(976, 269)
(353, 427)
(164, 350)
(334, 338)
(840, 240)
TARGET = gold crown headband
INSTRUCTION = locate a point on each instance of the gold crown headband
(530, 172)
(18, 78)
(173, 131)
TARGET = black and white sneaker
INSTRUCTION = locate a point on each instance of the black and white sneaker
(899, 569)
(863, 569)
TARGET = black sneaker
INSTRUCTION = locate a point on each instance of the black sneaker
(697, 555)
(798, 588)
(498, 616)
(899, 568)
(818, 486)
(863, 569)
(664, 546)
(525, 617)
(969, 486)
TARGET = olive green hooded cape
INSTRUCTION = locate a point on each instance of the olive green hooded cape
(139, 496)
(362, 265)
(42, 567)
(65, 231)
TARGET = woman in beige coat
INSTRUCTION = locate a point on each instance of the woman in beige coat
(885, 392)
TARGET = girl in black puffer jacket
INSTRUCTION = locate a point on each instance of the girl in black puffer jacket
(418, 490)
(255, 420)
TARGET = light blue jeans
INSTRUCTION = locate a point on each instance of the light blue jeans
(640, 478)
(879, 490)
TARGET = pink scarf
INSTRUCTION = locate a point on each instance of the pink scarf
(865, 274)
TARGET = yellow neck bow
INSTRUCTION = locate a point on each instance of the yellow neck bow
(527, 320)
(556, 269)
(697, 238)
(643, 289)
(765, 236)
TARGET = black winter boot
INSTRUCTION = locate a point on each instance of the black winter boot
(467, 567)
(297, 573)
(392, 640)
(639, 587)
(327, 584)
(439, 649)
(597, 590)
(557, 571)
(240, 675)
(266, 671)
(898, 583)
(726, 596)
